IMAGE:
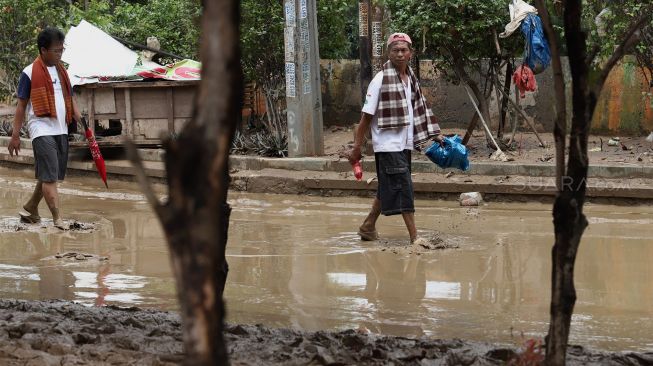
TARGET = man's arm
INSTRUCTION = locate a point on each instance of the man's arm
(77, 116)
(19, 117)
(359, 137)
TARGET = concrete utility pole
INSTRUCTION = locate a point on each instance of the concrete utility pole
(364, 45)
(377, 40)
(303, 87)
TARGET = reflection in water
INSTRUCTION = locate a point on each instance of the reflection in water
(312, 272)
(297, 262)
(137, 272)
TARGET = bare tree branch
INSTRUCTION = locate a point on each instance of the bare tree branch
(630, 39)
(591, 55)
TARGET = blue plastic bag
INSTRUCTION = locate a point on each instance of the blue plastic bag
(537, 55)
(452, 155)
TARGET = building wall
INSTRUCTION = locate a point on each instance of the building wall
(621, 108)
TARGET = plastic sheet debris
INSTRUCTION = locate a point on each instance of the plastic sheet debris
(452, 155)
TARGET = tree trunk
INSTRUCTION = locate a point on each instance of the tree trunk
(196, 216)
(504, 100)
(459, 66)
(568, 218)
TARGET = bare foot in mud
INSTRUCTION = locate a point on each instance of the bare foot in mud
(368, 234)
(60, 224)
(29, 217)
(423, 244)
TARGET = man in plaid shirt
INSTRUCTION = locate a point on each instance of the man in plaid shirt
(399, 117)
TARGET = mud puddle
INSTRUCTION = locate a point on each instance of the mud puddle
(297, 262)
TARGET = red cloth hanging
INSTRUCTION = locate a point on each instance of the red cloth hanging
(524, 80)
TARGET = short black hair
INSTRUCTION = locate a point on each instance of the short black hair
(48, 36)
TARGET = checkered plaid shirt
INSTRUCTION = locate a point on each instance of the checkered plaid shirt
(392, 110)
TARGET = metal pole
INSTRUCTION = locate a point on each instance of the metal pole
(303, 88)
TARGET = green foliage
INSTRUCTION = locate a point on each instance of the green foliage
(460, 27)
(263, 60)
(20, 23)
(337, 20)
(607, 31)
(261, 34)
(262, 24)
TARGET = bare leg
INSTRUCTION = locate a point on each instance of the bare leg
(32, 205)
(369, 225)
(52, 199)
(409, 220)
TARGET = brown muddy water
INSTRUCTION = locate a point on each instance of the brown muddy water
(296, 261)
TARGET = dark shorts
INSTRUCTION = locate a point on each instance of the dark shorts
(395, 183)
(51, 157)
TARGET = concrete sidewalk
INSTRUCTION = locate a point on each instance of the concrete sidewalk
(327, 176)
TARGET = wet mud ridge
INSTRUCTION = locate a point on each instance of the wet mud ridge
(64, 333)
(430, 242)
(14, 224)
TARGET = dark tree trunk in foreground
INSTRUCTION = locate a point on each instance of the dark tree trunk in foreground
(196, 216)
(568, 217)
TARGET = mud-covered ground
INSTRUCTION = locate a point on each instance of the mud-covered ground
(525, 148)
(64, 333)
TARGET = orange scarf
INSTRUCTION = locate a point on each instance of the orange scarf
(42, 93)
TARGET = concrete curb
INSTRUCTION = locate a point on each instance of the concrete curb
(334, 177)
(477, 168)
(425, 185)
(326, 164)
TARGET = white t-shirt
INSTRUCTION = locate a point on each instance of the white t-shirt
(388, 139)
(43, 126)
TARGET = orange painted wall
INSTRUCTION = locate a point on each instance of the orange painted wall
(621, 107)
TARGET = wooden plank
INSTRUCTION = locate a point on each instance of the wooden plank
(149, 103)
(171, 111)
(129, 122)
(105, 101)
(143, 84)
(184, 98)
(112, 143)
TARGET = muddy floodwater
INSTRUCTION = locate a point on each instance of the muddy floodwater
(296, 261)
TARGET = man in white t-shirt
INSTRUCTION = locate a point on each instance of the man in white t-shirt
(45, 98)
(399, 117)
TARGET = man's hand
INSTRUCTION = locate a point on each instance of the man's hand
(19, 117)
(355, 154)
(439, 139)
(14, 145)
